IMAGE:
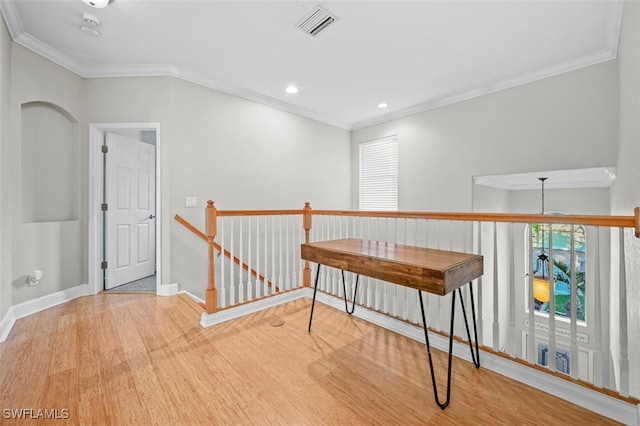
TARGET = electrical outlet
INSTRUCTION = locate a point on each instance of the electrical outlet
(191, 201)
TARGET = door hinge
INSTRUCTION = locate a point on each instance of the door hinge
(105, 149)
(103, 265)
(104, 207)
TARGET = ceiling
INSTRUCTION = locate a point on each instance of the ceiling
(414, 56)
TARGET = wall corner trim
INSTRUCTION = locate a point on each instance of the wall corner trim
(167, 289)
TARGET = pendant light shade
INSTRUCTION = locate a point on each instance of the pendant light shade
(541, 271)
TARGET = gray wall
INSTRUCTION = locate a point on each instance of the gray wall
(5, 176)
(216, 146)
(572, 117)
(56, 246)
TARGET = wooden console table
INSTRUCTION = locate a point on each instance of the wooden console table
(434, 271)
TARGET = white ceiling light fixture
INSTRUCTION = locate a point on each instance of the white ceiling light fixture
(90, 19)
(383, 105)
(292, 90)
(98, 4)
(91, 31)
(317, 20)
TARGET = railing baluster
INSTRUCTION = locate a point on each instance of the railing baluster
(479, 292)
(288, 266)
(598, 359)
(232, 267)
(551, 354)
(531, 340)
(273, 257)
(622, 308)
(513, 331)
(240, 268)
(265, 285)
(496, 318)
(573, 314)
(223, 260)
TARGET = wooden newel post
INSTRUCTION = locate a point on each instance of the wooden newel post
(211, 224)
(306, 224)
(636, 214)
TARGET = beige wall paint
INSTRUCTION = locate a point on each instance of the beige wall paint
(216, 146)
(5, 176)
(55, 247)
(572, 118)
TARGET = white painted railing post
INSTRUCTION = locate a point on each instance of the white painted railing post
(622, 307)
(573, 290)
(479, 292)
(531, 340)
(512, 342)
(496, 311)
(551, 354)
(598, 360)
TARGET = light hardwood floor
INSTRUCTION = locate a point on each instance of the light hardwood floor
(141, 359)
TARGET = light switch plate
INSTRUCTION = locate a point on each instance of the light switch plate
(191, 201)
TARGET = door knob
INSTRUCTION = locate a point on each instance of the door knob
(151, 216)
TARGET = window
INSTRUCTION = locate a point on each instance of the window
(379, 174)
(561, 268)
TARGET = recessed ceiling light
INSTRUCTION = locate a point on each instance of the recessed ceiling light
(98, 4)
(292, 90)
(382, 105)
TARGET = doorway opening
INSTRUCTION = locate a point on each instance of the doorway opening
(124, 214)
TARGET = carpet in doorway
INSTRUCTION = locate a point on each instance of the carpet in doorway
(143, 284)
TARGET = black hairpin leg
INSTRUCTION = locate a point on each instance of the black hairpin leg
(355, 292)
(475, 357)
(315, 289)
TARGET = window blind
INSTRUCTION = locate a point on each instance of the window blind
(379, 175)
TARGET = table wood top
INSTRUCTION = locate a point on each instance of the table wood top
(431, 270)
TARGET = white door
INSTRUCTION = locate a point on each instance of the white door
(130, 187)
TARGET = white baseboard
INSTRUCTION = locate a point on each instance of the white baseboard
(193, 296)
(6, 325)
(30, 307)
(207, 320)
(167, 289)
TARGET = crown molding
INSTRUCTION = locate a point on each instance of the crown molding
(11, 18)
(164, 70)
(595, 177)
(498, 85)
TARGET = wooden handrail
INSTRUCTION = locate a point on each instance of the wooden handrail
(190, 227)
(259, 212)
(587, 220)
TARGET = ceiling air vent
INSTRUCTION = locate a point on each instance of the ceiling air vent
(316, 20)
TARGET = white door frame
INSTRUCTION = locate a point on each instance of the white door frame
(94, 258)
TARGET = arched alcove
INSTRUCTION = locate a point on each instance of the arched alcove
(50, 164)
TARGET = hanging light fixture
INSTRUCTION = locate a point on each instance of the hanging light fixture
(541, 270)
